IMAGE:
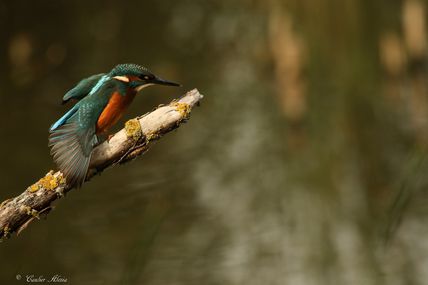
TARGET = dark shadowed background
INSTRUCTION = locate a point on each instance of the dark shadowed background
(305, 164)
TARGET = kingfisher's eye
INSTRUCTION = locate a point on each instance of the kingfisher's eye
(146, 77)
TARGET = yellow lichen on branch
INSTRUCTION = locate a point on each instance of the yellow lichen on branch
(133, 129)
(182, 108)
(48, 182)
(34, 187)
(29, 211)
(152, 136)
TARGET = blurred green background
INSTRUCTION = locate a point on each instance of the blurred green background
(305, 164)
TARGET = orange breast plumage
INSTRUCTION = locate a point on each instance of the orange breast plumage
(113, 111)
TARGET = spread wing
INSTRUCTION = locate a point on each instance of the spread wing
(83, 88)
(72, 143)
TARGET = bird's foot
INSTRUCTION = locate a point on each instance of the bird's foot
(102, 138)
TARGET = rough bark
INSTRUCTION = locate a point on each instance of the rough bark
(133, 140)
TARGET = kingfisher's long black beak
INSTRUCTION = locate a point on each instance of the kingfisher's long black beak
(161, 81)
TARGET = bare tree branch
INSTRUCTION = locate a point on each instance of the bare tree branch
(133, 140)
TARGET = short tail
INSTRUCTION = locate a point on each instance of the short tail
(71, 151)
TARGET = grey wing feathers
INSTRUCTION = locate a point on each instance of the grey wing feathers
(82, 89)
(71, 147)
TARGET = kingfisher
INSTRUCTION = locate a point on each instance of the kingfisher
(101, 101)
